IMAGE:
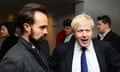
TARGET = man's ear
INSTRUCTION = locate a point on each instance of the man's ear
(107, 25)
(27, 27)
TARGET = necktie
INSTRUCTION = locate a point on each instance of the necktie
(84, 67)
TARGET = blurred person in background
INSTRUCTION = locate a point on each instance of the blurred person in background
(66, 34)
(106, 33)
(7, 32)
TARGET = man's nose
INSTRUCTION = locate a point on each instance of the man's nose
(46, 31)
(84, 33)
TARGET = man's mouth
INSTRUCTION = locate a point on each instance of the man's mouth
(84, 40)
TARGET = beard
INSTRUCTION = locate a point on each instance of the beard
(34, 41)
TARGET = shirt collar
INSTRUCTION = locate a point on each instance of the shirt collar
(103, 35)
(77, 46)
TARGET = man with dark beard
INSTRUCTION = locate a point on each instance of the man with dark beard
(25, 55)
(43, 45)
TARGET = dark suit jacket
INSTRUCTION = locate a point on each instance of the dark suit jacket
(23, 58)
(114, 39)
(61, 60)
(44, 47)
(7, 44)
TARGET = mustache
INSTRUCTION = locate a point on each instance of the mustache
(43, 37)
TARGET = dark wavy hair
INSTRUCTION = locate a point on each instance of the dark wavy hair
(105, 19)
(27, 16)
(67, 22)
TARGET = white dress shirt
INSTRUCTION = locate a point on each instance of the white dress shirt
(92, 61)
(67, 38)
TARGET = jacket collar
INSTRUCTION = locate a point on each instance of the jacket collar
(40, 57)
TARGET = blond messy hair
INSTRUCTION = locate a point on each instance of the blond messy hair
(81, 18)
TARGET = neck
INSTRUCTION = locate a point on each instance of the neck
(26, 38)
(106, 31)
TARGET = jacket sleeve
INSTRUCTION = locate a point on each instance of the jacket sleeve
(113, 56)
(55, 58)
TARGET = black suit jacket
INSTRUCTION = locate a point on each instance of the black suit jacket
(44, 47)
(108, 58)
(113, 38)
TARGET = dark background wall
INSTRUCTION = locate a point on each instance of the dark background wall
(56, 7)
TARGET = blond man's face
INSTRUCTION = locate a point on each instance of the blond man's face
(83, 33)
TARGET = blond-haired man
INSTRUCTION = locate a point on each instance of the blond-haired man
(98, 56)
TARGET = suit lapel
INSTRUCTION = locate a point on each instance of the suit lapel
(100, 55)
(98, 51)
(69, 57)
(38, 54)
(44, 59)
(107, 35)
(40, 58)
